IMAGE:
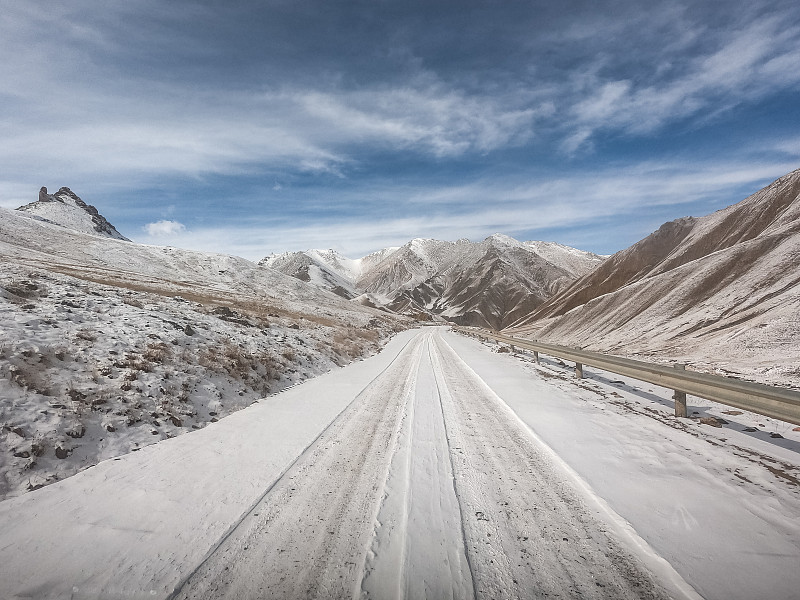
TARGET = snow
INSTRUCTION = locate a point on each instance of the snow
(702, 508)
(65, 209)
(721, 505)
(576, 262)
(347, 268)
(137, 523)
(109, 346)
(420, 515)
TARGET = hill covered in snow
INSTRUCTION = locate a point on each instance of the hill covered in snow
(107, 346)
(66, 209)
(489, 283)
(719, 289)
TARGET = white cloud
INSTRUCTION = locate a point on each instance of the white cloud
(164, 228)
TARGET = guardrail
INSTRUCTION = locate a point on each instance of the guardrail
(767, 400)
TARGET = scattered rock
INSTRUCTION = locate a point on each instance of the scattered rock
(775, 435)
(188, 330)
(61, 453)
(110, 428)
(76, 431)
(294, 326)
(732, 412)
(76, 396)
(224, 311)
(710, 421)
(176, 421)
(749, 429)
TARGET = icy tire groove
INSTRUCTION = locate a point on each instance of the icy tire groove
(309, 536)
(528, 532)
(418, 550)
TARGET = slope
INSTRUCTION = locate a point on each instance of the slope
(66, 209)
(107, 346)
(720, 288)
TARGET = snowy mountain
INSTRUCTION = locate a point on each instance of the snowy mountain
(326, 268)
(490, 283)
(723, 285)
(107, 346)
(66, 209)
(307, 266)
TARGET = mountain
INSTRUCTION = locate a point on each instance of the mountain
(724, 285)
(107, 346)
(66, 209)
(489, 283)
(326, 268)
(308, 266)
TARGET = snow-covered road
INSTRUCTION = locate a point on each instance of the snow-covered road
(427, 486)
(436, 469)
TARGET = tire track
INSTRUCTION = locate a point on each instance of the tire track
(425, 486)
(418, 549)
(529, 533)
(308, 536)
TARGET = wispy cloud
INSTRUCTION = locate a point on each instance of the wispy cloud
(745, 65)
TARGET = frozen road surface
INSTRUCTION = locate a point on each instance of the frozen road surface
(438, 468)
(426, 486)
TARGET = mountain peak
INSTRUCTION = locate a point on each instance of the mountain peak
(500, 239)
(66, 209)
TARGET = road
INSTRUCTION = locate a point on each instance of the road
(426, 486)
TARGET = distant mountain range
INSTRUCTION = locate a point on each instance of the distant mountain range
(490, 283)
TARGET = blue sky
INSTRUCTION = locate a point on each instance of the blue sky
(257, 127)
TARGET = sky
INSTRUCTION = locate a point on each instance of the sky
(254, 127)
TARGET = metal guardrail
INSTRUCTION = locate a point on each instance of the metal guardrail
(767, 400)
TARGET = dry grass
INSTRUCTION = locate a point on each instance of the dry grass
(133, 302)
(86, 335)
(157, 352)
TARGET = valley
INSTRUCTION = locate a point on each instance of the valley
(338, 449)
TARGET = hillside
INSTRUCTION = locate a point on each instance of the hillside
(724, 288)
(107, 346)
(66, 209)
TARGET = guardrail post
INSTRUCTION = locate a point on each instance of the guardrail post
(680, 397)
(536, 356)
(578, 370)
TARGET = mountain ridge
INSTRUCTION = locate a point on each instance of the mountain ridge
(696, 288)
(66, 209)
(487, 283)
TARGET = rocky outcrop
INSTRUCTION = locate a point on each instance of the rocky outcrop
(66, 209)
